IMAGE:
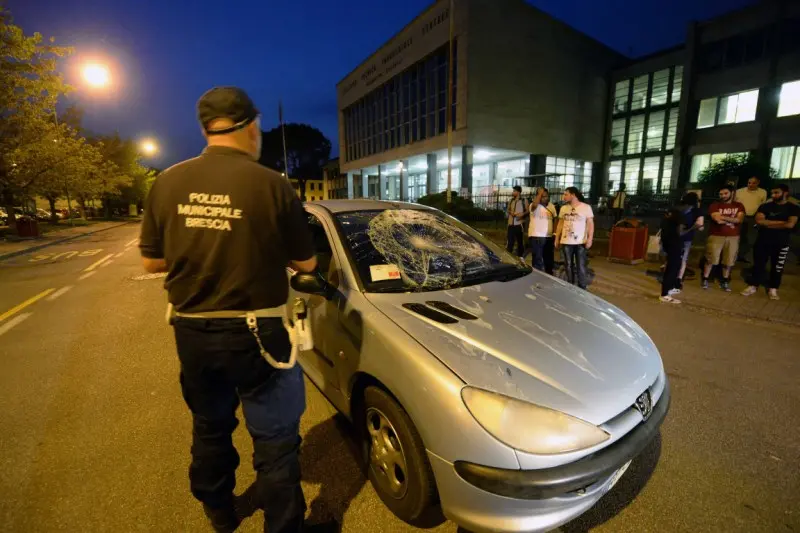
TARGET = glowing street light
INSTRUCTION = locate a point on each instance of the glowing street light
(148, 147)
(96, 75)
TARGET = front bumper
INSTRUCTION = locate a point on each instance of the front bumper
(482, 498)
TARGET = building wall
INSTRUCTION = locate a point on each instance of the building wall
(535, 84)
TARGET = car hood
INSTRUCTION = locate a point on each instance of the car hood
(537, 339)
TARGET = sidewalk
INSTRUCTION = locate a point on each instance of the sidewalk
(10, 248)
(635, 280)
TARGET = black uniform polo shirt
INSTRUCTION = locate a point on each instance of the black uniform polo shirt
(227, 228)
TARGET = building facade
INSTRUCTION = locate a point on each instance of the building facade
(732, 89)
(528, 100)
(540, 102)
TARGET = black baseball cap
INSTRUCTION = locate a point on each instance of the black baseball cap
(226, 102)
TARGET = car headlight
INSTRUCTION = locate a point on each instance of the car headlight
(528, 427)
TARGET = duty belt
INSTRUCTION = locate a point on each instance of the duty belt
(298, 329)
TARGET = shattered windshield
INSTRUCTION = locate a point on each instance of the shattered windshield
(398, 250)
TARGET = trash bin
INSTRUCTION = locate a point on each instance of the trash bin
(27, 227)
(628, 242)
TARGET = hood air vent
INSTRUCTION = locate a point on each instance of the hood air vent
(433, 314)
(450, 310)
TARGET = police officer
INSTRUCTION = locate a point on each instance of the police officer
(225, 228)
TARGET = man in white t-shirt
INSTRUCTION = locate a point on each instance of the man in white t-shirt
(751, 197)
(540, 231)
(575, 235)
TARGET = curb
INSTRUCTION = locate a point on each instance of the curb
(24, 251)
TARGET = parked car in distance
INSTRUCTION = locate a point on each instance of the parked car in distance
(514, 400)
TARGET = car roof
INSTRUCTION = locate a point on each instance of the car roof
(343, 206)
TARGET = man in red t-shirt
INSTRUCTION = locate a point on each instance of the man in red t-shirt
(723, 236)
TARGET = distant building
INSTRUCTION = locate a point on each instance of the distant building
(529, 92)
(315, 189)
(335, 181)
(532, 96)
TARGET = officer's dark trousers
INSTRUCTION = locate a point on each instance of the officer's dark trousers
(221, 365)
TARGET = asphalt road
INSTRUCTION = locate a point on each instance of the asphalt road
(94, 435)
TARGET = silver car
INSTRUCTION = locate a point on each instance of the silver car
(511, 398)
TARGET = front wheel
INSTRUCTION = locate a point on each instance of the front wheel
(397, 464)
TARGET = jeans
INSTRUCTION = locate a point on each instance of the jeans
(575, 264)
(764, 251)
(542, 250)
(669, 279)
(515, 235)
(220, 365)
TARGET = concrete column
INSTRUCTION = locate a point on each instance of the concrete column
(466, 169)
(433, 180)
(350, 177)
(381, 184)
(404, 181)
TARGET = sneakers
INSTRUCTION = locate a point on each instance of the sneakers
(725, 285)
(773, 294)
(749, 291)
(223, 520)
(674, 291)
(668, 300)
(704, 284)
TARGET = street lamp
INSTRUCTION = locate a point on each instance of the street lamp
(96, 75)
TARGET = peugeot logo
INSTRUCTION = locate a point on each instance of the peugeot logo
(644, 404)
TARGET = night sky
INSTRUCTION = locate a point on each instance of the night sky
(165, 54)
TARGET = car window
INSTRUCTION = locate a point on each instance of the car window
(411, 249)
(322, 246)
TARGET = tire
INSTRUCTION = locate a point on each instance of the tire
(410, 500)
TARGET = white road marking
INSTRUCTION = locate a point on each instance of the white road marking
(13, 322)
(106, 263)
(118, 255)
(96, 264)
(58, 293)
(92, 273)
(134, 241)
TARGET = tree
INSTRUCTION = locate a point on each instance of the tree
(307, 151)
(736, 170)
(29, 90)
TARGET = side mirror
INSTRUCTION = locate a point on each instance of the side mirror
(312, 283)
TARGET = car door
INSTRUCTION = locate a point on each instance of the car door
(331, 342)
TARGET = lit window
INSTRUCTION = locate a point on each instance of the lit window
(677, 82)
(786, 162)
(708, 113)
(672, 128)
(639, 92)
(621, 96)
(650, 174)
(655, 130)
(660, 86)
(738, 107)
(701, 162)
(666, 175)
(614, 174)
(636, 134)
(790, 99)
(632, 169)
(734, 108)
(617, 136)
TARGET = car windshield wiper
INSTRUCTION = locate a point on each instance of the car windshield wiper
(504, 272)
(395, 289)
